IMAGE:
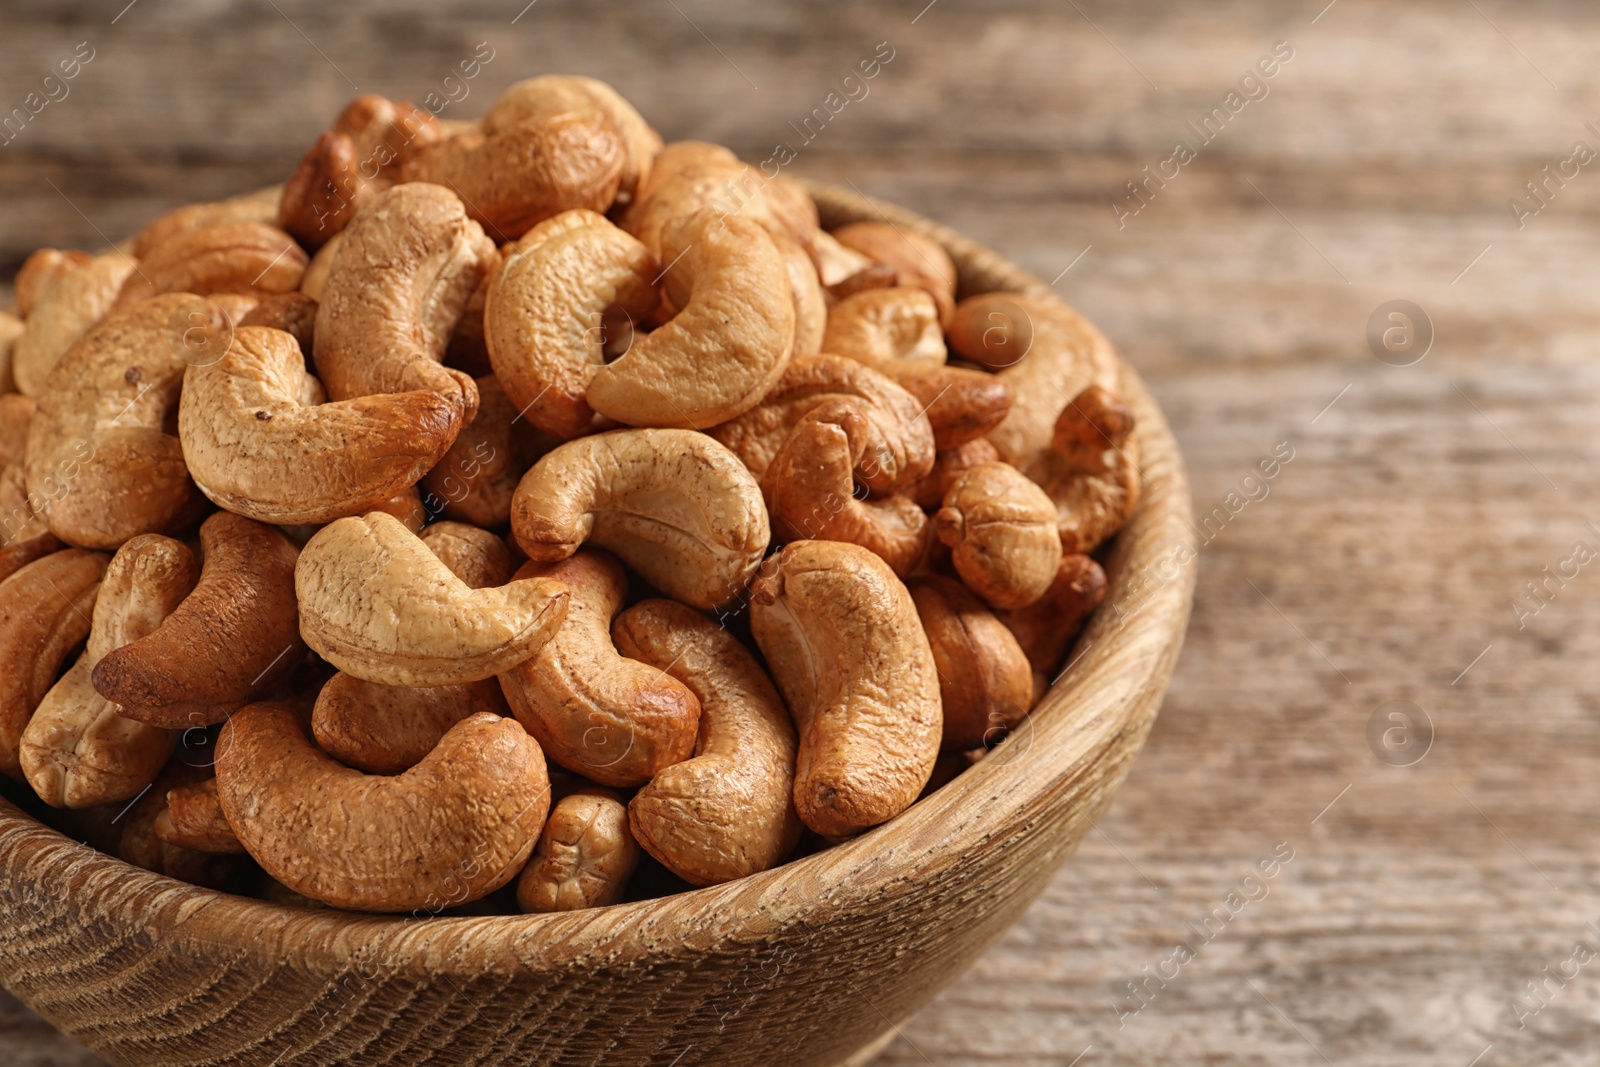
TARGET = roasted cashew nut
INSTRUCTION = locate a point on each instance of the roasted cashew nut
(842, 638)
(916, 258)
(1092, 469)
(377, 603)
(259, 207)
(883, 326)
(77, 751)
(694, 177)
(675, 505)
(99, 447)
(237, 257)
(387, 729)
(232, 639)
(193, 819)
(67, 307)
(613, 720)
(398, 284)
(259, 441)
(293, 313)
(476, 479)
(553, 94)
(985, 680)
(452, 829)
(16, 415)
(584, 857)
(44, 612)
(141, 846)
(41, 269)
(962, 405)
(1001, 529)
(729, 811)
(1046, 628)
(24, 534)
(811, 493)
(947, 466)
(476, 556)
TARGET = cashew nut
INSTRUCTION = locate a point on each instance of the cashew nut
(406, 506)
(584, 857)
(293, 313)
(1046, 628)
(140, 845)
(881, 326)
(985, 680)
(1092, 468)
(916, 258)
(376, 603)
(16, 415)
(553, 94)
(899, 422)
(259, 441)
(39, 271)
(403, 273)
(844, 643)
(452, 829)
(24, 534)
(44, 613)
(99, 447)
(64, 311)
(476, 556)
(810, 488)
(962, 405)
(698, 178)
(193, 819)
(233, 638)
(478, 476)
(77, 751)
(810, 301)
(611, 719)
(259, 207)
(386, 729)
(728, 812)
(947, 466)
(674, 504)
(1001, 528)
(517, 176)
(315, 279)
(238, 257)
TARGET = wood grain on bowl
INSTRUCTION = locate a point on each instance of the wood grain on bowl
(810, 965)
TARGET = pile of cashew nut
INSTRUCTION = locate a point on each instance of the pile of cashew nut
(529, 515)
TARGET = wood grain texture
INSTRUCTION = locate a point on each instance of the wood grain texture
(1418, 905)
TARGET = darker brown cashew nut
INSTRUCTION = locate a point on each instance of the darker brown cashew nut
(1092, 469)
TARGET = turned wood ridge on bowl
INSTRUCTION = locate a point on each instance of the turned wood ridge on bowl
(811, 964)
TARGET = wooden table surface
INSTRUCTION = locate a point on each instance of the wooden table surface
(1388, 560)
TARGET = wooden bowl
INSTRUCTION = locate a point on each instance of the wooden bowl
(814, 963)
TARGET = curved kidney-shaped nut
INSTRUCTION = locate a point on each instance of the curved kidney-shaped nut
(947, 466)
(478, 476)
(611, 719)
(526, 172)
(16, 415)
(585, 855)
(898, 421)
(259, 207)
(99, 446)
(455, 827)
(293, 313)
(77, 751)
(193, 819)
(44, 612)
(64, 311)
(842, 638)
(406, 506)
(357, 158)
(11, 328)
(376, 603)
(140, 845)
(387, 729)
(40, 270)
(810, 489)
(1092, 470)
(1045, 628)
(1001, 529)
(678, 156)
(728, 812)
(476, 556)
(552, 94)
(232, 639)
(962, 405)
(881, 326)
(238, 257)
(675, 505)
(403, 273)
(258, 441)
(916, 258)
(985, 680)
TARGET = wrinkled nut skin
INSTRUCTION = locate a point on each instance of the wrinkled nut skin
(377, 603)
(526, 172)
(916, 258)
(260, 207)
(77, 751)
(674, 504)
(1092, 469)
(729, 811)
(613, 720)
(293, 313)
(388, 729)
(476, 479)
(40, 270)
(811, 493)
(947, 466)
(1001, 529)
(452, 829)
(985, 680)
(880, 326)
(897, 417)
(237, 257)
(259, 441)
(193, 819)
(405, 268)
(585, 855)
(1046, 628)
(233, 638)
(844, 643)
(64, 311)
(44, 612)
(962, 405)
(476, 556)
(553, 94)
(99, 445)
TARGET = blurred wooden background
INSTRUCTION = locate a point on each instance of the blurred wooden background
(1384, 562)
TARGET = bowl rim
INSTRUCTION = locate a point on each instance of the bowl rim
(1091, 723)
